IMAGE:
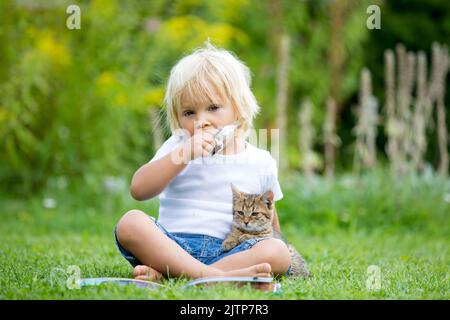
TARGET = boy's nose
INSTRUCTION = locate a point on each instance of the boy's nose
(203, 124)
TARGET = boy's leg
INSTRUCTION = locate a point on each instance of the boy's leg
(273, 251)
(140, 236)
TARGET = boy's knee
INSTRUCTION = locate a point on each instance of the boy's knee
(277, 251)
(126, 226)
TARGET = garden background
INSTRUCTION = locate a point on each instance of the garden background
(363, 111)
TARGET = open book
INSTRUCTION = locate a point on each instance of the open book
(274, 287)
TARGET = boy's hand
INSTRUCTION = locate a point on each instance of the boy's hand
(201, 144)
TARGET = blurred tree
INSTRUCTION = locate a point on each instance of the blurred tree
(326, 56)
(416, 24)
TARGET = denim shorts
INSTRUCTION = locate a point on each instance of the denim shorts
(206, 249)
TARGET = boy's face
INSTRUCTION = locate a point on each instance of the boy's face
(205, 114)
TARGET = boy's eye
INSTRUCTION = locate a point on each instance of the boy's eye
(214, 107)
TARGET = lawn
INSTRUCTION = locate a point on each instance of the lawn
(341, 227)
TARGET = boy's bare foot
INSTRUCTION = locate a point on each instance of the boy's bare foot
(146, 273)
(257, 270)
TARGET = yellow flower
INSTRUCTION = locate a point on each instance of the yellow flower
(121, 99)
(179, 29)
(222, 33)
(154, 96)
(190, 31)
(106, 79)
(55, 51)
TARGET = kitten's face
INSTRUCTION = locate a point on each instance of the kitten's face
(252, 212)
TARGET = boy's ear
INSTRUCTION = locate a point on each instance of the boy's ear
(236, 192)
(267, 198)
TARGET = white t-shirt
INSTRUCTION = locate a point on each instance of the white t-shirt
(199, 199)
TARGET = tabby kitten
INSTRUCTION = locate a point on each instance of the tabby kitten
(253, 218)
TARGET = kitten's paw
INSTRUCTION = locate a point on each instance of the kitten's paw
(228, 245)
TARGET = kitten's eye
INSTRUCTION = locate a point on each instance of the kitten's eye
(254, 214)
(240, 213)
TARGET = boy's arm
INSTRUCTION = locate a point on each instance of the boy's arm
(151, 179)
(276, 223)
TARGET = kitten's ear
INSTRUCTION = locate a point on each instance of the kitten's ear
(236, 192)
(267, 198)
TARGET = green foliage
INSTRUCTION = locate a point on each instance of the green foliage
(75, 102)
(374, 200)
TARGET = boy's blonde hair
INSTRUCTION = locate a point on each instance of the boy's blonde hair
(206, 71)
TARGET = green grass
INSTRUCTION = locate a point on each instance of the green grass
(341, 227)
